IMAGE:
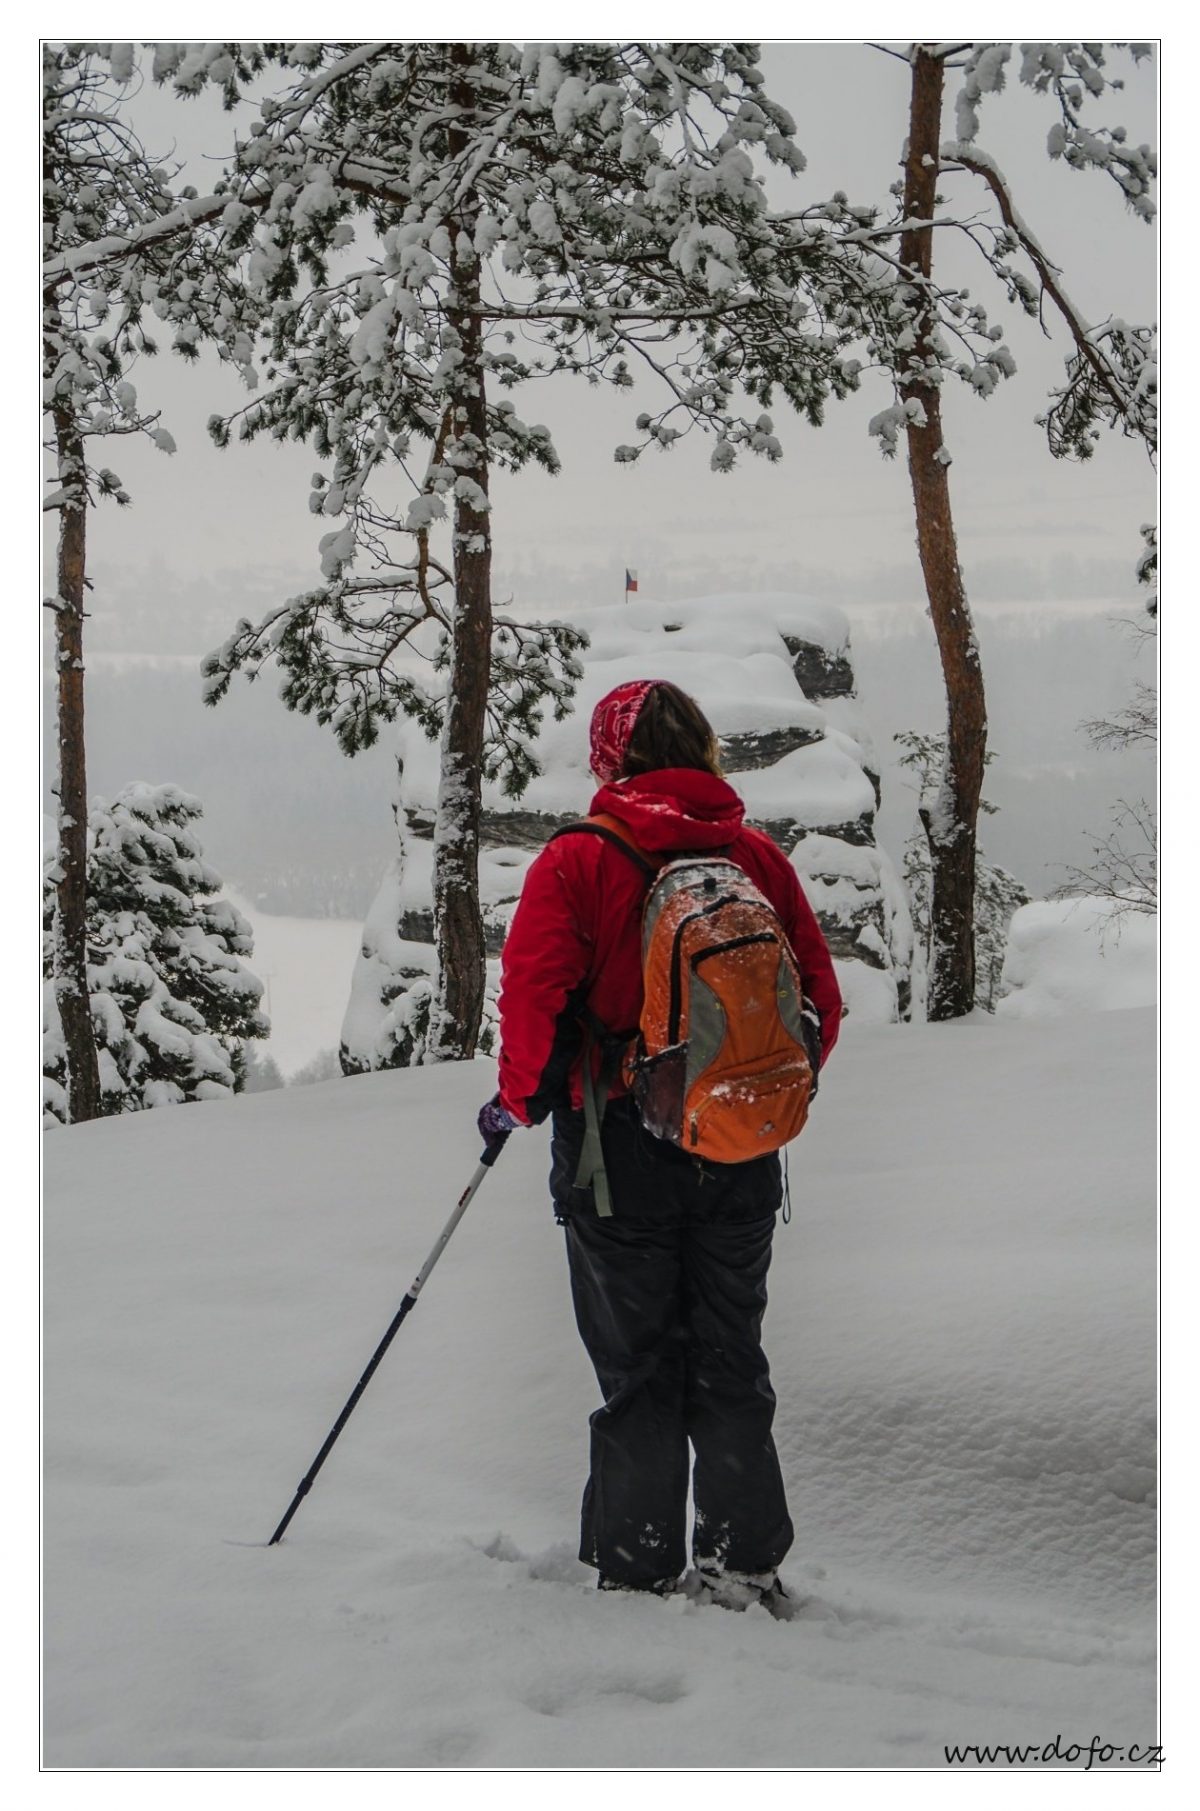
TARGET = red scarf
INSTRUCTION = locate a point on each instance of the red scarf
(613, 723)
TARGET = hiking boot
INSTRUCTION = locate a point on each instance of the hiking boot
(712, 1584)
(779, 1603)
(656, 1587)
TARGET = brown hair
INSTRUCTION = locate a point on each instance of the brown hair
(671, 731)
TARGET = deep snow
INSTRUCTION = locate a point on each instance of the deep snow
(962, 1339)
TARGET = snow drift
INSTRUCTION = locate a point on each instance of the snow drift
(1074, 955)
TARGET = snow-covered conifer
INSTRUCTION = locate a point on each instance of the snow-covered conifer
(172, 999)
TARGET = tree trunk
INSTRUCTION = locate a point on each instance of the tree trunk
(70, 940)
(949, 821)
(458, 924)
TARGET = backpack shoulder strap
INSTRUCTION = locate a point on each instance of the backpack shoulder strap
(613, 831)
(612, 1045)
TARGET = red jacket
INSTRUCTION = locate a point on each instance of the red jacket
(576, 932)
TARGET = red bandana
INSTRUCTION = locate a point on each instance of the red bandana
(612, 725)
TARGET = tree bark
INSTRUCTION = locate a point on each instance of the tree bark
(70, 940)
(458, 924)
(950, 820)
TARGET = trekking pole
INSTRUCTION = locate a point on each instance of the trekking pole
(306, 1483)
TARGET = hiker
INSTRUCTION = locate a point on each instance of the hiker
(667, 1251)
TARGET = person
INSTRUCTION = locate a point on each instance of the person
(669, 1287)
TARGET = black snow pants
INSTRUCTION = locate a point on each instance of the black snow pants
(669, 1296)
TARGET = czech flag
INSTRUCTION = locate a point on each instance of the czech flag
(630, 581)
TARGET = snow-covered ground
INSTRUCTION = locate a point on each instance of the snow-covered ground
(963, 1343)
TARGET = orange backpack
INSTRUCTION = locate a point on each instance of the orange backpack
(724, 1060)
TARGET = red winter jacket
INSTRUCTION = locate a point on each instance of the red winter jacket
(576, 934)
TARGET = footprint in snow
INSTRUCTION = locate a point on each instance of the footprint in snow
(565, 1695)
(558, 1563)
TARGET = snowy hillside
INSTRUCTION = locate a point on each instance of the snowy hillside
(962, 1339)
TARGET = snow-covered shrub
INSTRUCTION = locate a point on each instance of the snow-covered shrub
(173, 1001)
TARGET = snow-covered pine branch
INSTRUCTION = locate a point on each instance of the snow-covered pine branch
(1112, 371)
(1112, 375)
(534, 665)
(98, 183)
(125, 245)
(583, 209)
(1147, 567)
(1073, 74)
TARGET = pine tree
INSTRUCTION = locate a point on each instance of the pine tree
(117, 242)
(929, 334)
(172, 1000)
(446, 223)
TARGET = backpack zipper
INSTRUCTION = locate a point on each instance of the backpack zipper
(676, 1006)
(735, 943)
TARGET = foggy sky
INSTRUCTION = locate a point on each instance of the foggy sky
(833, 518)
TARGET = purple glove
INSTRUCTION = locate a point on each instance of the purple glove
(495, 1123)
